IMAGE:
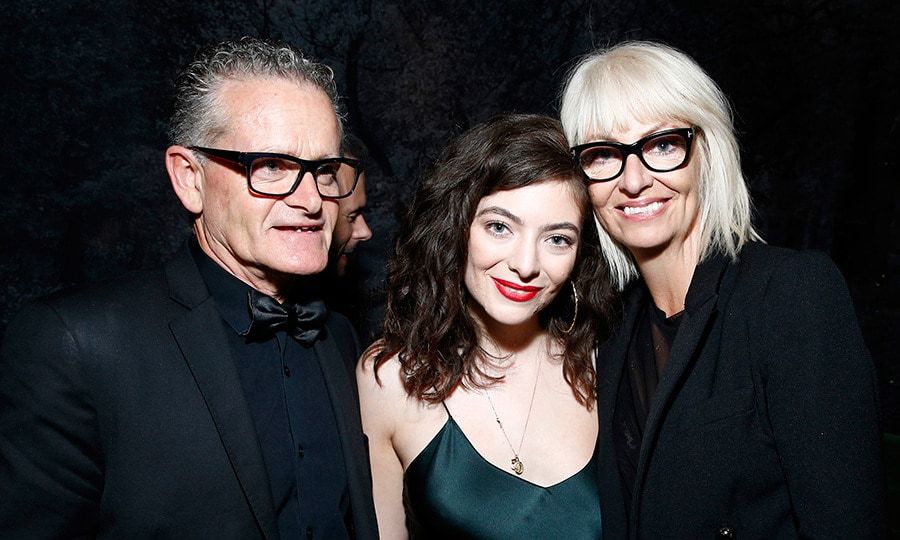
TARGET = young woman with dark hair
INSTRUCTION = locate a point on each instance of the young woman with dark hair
(479, 400)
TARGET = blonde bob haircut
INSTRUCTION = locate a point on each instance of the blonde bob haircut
(639, 81)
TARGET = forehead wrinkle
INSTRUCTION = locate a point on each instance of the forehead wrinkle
(272, 149)
(279, 110)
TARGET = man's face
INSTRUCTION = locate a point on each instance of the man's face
(351, 227)
(264, 241)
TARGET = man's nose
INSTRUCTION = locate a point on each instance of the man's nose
(361, 230)
(306, 195)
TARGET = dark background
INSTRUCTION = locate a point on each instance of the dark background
(86, 87)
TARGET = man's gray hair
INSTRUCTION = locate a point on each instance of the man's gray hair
(198, 113)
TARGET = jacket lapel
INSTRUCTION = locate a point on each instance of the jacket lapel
(345, 404)
(202, 340)
(611, 358)
(700, 309)
(611, 355)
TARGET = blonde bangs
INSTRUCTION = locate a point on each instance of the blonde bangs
(614, 90)
(641, 82)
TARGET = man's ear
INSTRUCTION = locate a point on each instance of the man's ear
(186, 176)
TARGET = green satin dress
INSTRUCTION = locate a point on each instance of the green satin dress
(453, 492)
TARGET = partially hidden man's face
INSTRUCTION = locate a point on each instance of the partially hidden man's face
(263, 240)
(351, 227)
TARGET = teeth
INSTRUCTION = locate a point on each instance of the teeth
(648, 209)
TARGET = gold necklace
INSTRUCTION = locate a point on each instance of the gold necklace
(516, 463)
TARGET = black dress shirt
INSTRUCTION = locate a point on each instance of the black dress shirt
(291, 410)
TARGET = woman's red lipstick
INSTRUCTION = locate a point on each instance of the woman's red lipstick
(515, 291)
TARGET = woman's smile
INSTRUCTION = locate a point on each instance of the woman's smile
(515, 291)
(643, 209)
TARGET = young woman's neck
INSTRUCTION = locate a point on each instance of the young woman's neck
(499, 341)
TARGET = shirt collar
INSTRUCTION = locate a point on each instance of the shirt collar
(230, 294)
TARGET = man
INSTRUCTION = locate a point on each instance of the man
(212, 398)
(351, 227)
(345, 288)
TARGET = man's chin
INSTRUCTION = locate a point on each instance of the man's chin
(304, 267)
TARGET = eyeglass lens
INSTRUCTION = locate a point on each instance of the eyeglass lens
(662, 153)
(276, 176)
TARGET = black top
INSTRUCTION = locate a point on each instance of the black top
(647, 354)
(453, 492)
(291, 410)
(764, 422)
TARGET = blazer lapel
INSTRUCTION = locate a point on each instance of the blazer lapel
(345, 404)
(700, 309)
(202, 340)
(611, 355)
(343, 398)
(611, 359)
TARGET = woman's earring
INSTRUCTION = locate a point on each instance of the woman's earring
(575, 316)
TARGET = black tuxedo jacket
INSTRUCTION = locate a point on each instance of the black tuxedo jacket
(122, 416)
(764, 424)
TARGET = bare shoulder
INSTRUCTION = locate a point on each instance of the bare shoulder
(384, 379)
(391, 414)
(382, 396)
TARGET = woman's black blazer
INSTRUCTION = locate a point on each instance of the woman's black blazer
(764, 423)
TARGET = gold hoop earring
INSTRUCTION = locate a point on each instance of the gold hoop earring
(575, 316)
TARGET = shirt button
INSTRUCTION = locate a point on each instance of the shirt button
(287, 371)
(309, 532)
(300, 452)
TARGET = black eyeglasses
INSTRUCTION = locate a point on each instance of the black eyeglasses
(278, 175)
(662, 151)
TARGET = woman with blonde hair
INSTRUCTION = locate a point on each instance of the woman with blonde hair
(738, 399)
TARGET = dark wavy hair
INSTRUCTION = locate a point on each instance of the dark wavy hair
(427, 323)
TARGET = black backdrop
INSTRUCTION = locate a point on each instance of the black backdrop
(86, 87)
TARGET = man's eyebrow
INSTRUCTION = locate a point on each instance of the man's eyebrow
(501, 211)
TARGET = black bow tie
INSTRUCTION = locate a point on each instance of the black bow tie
(303, 321)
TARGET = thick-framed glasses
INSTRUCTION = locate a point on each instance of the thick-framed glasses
(279, 175)
(662, 151)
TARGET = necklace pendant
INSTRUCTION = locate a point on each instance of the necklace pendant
(517, 466)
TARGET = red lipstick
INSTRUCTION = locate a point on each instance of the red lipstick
(515, 291)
